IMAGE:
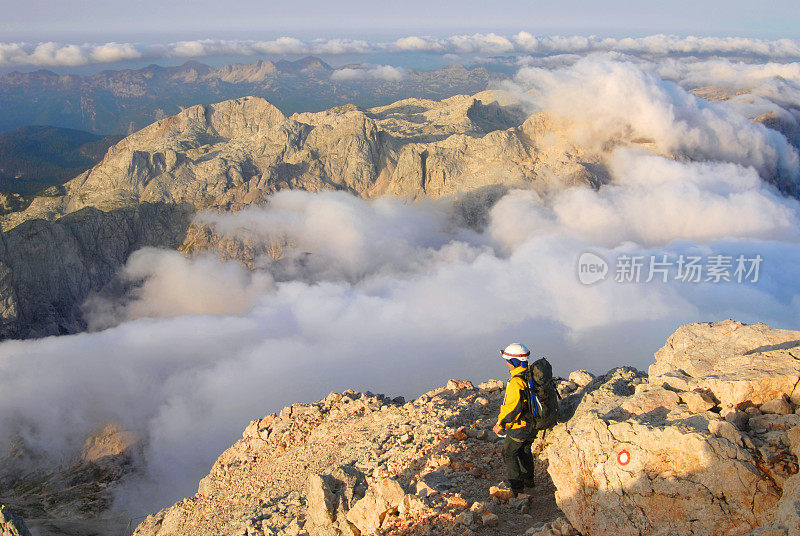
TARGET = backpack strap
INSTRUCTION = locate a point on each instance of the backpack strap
(532, 401)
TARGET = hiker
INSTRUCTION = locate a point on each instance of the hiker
(530, 405)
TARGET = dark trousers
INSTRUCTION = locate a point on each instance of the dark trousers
(519, 462)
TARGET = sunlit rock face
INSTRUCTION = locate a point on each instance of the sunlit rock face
(703, 445)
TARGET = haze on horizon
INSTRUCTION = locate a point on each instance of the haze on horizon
(151, 20)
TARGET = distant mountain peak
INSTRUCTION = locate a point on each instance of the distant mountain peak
(309, 63)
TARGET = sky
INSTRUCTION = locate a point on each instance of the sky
(154, 20)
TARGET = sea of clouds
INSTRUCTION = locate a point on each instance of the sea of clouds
(53, 54)
(397, 298)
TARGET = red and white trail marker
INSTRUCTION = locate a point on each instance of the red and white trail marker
(623, 457)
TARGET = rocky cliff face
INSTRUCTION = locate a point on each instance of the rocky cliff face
(76, 496)
(706, 444)
(48, 268)
(12, 524)
(236, 153)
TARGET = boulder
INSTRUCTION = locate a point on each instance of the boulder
(698, 400)
(491, 385)
(381, 499)
(12, 524)
(738, 363)
(626, 468)
(736, 417)
(329, 497)
(502, 493)
(489, 519)
(641, 458)
(465, 518)
(581, 377)
(777, 406)
(410, 505)
(459, 385)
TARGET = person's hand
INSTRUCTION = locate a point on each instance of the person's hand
(497, 429)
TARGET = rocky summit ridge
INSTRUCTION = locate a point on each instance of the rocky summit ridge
(236, 153)
(706, 443)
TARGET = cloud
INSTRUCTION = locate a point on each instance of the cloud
(659, 45)
(380, 72)
(397, 298)
(173, 287)
(53, 54)
(640, 105)
(419, 44)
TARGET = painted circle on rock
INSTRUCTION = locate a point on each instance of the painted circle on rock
(624, 457)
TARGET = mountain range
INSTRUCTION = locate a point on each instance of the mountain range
(123, 101)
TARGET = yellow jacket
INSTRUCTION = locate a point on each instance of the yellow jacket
(510, 417)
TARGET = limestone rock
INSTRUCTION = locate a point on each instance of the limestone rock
(778, 406)
(634, 460)
(410, 505)
(110, 442)
(737, 418)
(489, 519)
(502, 493)
(787, 515)
(491, 386)
(738, 363)
(369, 512)
(329, 498)
(337, 472)
(648, 398)
(794, 441)
(237, 152)
(581, 377)
(698, 400)
(457, 385)
(12, 524)
(623, 472)
(48, 268)
(465, 518)
(726, 430)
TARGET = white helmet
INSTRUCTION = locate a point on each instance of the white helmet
(516, 351)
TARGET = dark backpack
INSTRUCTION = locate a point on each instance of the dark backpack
(541, 395)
